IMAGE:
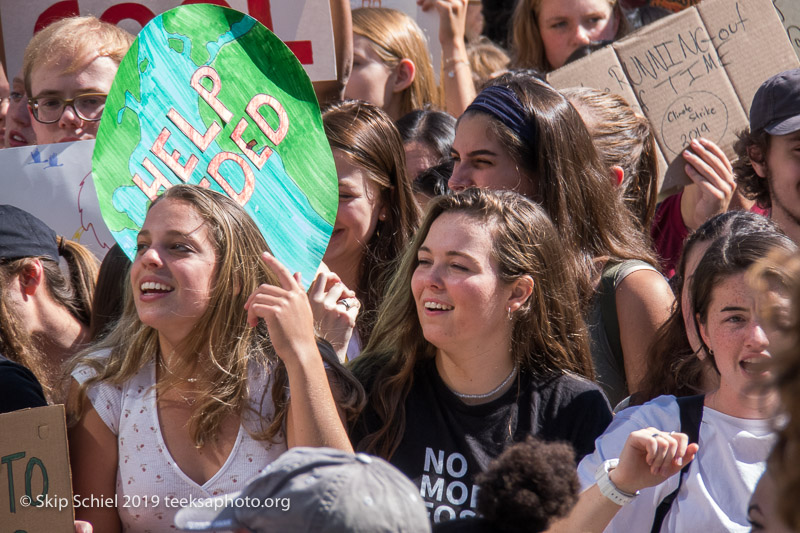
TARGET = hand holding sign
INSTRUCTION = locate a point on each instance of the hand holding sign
(712, 183)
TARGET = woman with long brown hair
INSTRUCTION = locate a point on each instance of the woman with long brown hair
(676, 360)
(479, 343)
(523, 135)
(211, 372)
(376, 219)
(735, 422)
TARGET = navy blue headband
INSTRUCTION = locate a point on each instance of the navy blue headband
(502, 103)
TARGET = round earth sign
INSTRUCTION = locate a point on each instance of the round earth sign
(207, 95)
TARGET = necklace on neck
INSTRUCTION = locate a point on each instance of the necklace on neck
(489, 394)
(163, 365)
(188, 400)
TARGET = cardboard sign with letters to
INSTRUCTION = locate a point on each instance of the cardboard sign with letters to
(35, 483)
(602, 71)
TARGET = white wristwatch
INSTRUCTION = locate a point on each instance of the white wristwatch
(607, 487)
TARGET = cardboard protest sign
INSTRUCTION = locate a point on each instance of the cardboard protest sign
(676, 76)
(35, 485)
(694, 73)
(305, 25)
(602, 71)
(208, 96)
(54, 183)
(739, 30)
(789, 14)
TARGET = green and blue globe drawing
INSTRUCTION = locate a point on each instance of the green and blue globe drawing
(207, 95)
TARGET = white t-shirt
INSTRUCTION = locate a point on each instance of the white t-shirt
(354, 346)
(716, 489)
(149, 482)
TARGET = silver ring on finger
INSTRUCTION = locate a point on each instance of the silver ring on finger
(348, 303)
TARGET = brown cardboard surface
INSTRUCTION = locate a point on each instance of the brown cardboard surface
(603, 71)
(750, 42)
(694, 73)
(681, 86)
(600, 70)
(680, 83)
(34, 471)
(789, 14)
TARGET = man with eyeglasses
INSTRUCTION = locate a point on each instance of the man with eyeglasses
(68, 69)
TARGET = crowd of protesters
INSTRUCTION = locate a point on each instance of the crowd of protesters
(508, 332)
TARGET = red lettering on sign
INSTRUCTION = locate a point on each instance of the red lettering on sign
(173, 161)
(249, 178)
(58, 11)
(222, 3)
(159, 180)
(201, 141)
(257, 159)
(258, 9)
(276, 136)
(211, 96)
(262, 12)
(127, 10)
(302, 50)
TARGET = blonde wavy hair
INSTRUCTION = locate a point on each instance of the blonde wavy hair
(395, 36)
(221, 344)
(526, 41)
(79, 38)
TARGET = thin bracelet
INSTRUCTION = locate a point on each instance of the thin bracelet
(454, 60)
(451, 72)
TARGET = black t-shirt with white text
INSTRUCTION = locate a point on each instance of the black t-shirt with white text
(446, 442)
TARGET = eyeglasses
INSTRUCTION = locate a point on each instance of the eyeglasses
(48, 109)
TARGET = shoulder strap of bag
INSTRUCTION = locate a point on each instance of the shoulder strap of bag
(691, 409)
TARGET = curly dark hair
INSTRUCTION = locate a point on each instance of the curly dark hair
(528, 485)
(752, 186)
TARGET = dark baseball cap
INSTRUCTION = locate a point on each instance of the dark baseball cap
(24, 235)
(776, 104)
(316, 490)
